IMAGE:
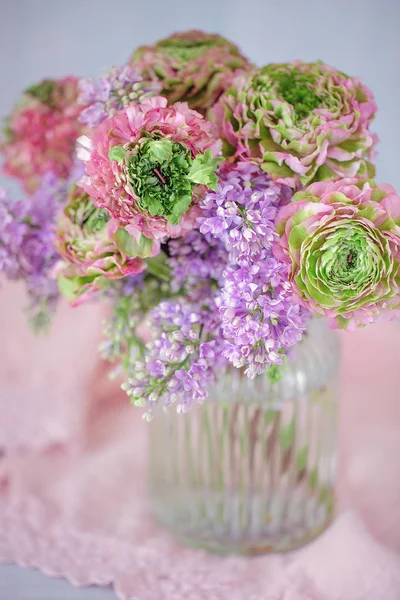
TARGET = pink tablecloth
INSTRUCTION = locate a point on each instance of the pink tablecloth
(72, 485)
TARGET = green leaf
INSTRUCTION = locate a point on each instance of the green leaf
(160, 150)
(154, 206)
(370, 168)
(202, 169)
(227, 149)
(213, 181)
(323, 173)
(71, 288)
(180, 207)
(274, 169)
(378, 195)
(67, 287)
(297, 236)
(352, 145)
(181, 161)
(127, 244)
(117, 153)
(157, 266)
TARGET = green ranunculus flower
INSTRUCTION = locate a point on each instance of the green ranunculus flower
(163, 173)
(341, 242)
(192, 66)
(303, 122)
(89, 255)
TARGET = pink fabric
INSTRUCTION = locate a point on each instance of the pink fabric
(42, 391)
(72, 480)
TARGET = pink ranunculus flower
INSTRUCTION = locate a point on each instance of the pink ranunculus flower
(148, 166)
(41, 132)
(89, 256)
(341, 242)
(303, 122)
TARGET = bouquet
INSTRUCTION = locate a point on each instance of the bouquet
(219, 203)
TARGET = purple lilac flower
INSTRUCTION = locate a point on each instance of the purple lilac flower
(26, 244)
(117, 88)
(182, 360)
(241, 212)
(260, 320)
(197, 265)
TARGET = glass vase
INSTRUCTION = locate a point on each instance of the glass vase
(252, 469)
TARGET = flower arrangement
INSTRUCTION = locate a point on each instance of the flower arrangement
(220, 203)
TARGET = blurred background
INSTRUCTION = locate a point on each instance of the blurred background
(46, 379)
(52, 38)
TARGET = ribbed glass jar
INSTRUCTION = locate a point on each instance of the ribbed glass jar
(252, 469)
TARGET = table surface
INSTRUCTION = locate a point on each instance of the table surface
(114, 435)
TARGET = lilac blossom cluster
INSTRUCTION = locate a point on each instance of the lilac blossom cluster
(182, 360)
(117, 88)
(260, 320)
(26, 244)
(185, 354)
(241, 212)
(197, 265)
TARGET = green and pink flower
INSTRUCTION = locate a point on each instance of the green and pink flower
(41, 132)
(192, 66)
(89, 257)
(341, 242)
(303, 122)
(148, 166)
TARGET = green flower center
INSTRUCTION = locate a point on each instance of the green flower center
(185, 50)
(348, 262)
(182, 55)
(163, 174)
(298, 89)
(158, 173)
(343, 263)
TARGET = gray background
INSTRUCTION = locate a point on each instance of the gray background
(42, 38)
